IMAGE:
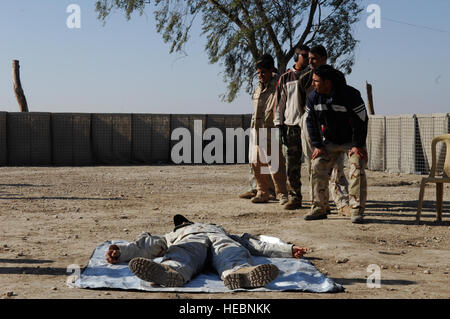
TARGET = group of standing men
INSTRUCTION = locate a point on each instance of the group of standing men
(320, 119)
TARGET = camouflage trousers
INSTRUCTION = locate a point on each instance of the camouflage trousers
(338, 185)
(292, 151)
(321, 171)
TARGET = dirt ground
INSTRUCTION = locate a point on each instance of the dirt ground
(53, 217)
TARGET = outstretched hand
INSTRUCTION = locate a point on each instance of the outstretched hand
(298, 252)
(113, 254)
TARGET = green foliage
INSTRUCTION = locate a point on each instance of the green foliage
(240, 31)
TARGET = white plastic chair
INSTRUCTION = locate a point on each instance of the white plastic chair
(432, 178)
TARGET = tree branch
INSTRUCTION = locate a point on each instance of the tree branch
(268, 26)
(252, 45)
(251, 32)
(312, 12)
(317, 26)
(229, 15)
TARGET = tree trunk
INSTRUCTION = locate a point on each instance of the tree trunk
(20, 96)
(370, 98)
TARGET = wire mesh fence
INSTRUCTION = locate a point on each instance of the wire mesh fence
(402, 144)
(429, 126)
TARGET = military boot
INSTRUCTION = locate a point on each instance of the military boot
(272, 194)
(283, 198)
(356, 216)
(261, 198)
(148, 270)
(315, 214)
(293, 203)
(251, 277)
(248, 195)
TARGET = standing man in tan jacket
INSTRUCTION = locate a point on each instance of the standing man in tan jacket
(263, 167)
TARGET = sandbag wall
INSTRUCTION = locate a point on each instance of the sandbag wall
(79, 139)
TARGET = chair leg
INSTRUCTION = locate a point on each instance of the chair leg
(439, 198)
(419, 205)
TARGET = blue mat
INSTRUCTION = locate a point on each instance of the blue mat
(295, 275)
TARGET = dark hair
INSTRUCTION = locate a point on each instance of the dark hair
(320, 50)
(327, 72)
(303, 47)
(265, 62)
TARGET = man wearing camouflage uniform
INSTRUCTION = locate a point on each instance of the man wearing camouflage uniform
(287, 114)
(340, 110)
(186, 250)
(338, 186)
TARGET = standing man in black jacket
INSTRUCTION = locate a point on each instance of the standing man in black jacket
(340, 110)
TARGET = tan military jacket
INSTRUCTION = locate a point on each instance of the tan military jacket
(263, 103)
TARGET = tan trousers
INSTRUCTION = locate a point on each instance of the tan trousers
(271, 173)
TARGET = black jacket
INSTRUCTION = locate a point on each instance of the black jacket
(342, 116)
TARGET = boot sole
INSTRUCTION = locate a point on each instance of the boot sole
(357, 220)
(315, 217)
(148, 270)
(259, 200)
(246, 196)
(259, 276)
(292, 207)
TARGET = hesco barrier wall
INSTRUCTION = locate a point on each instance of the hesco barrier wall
(78, 139)
(395, 143)
(402, 144)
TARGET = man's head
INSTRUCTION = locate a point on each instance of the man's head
(301, 57)
(264, 68)
(317, 56)
(323, 78)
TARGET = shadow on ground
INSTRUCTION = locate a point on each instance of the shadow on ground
(392, 282)
(388, 211)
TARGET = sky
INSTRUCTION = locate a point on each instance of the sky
(125, 67)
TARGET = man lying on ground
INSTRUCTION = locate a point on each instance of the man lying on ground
(192, 246)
